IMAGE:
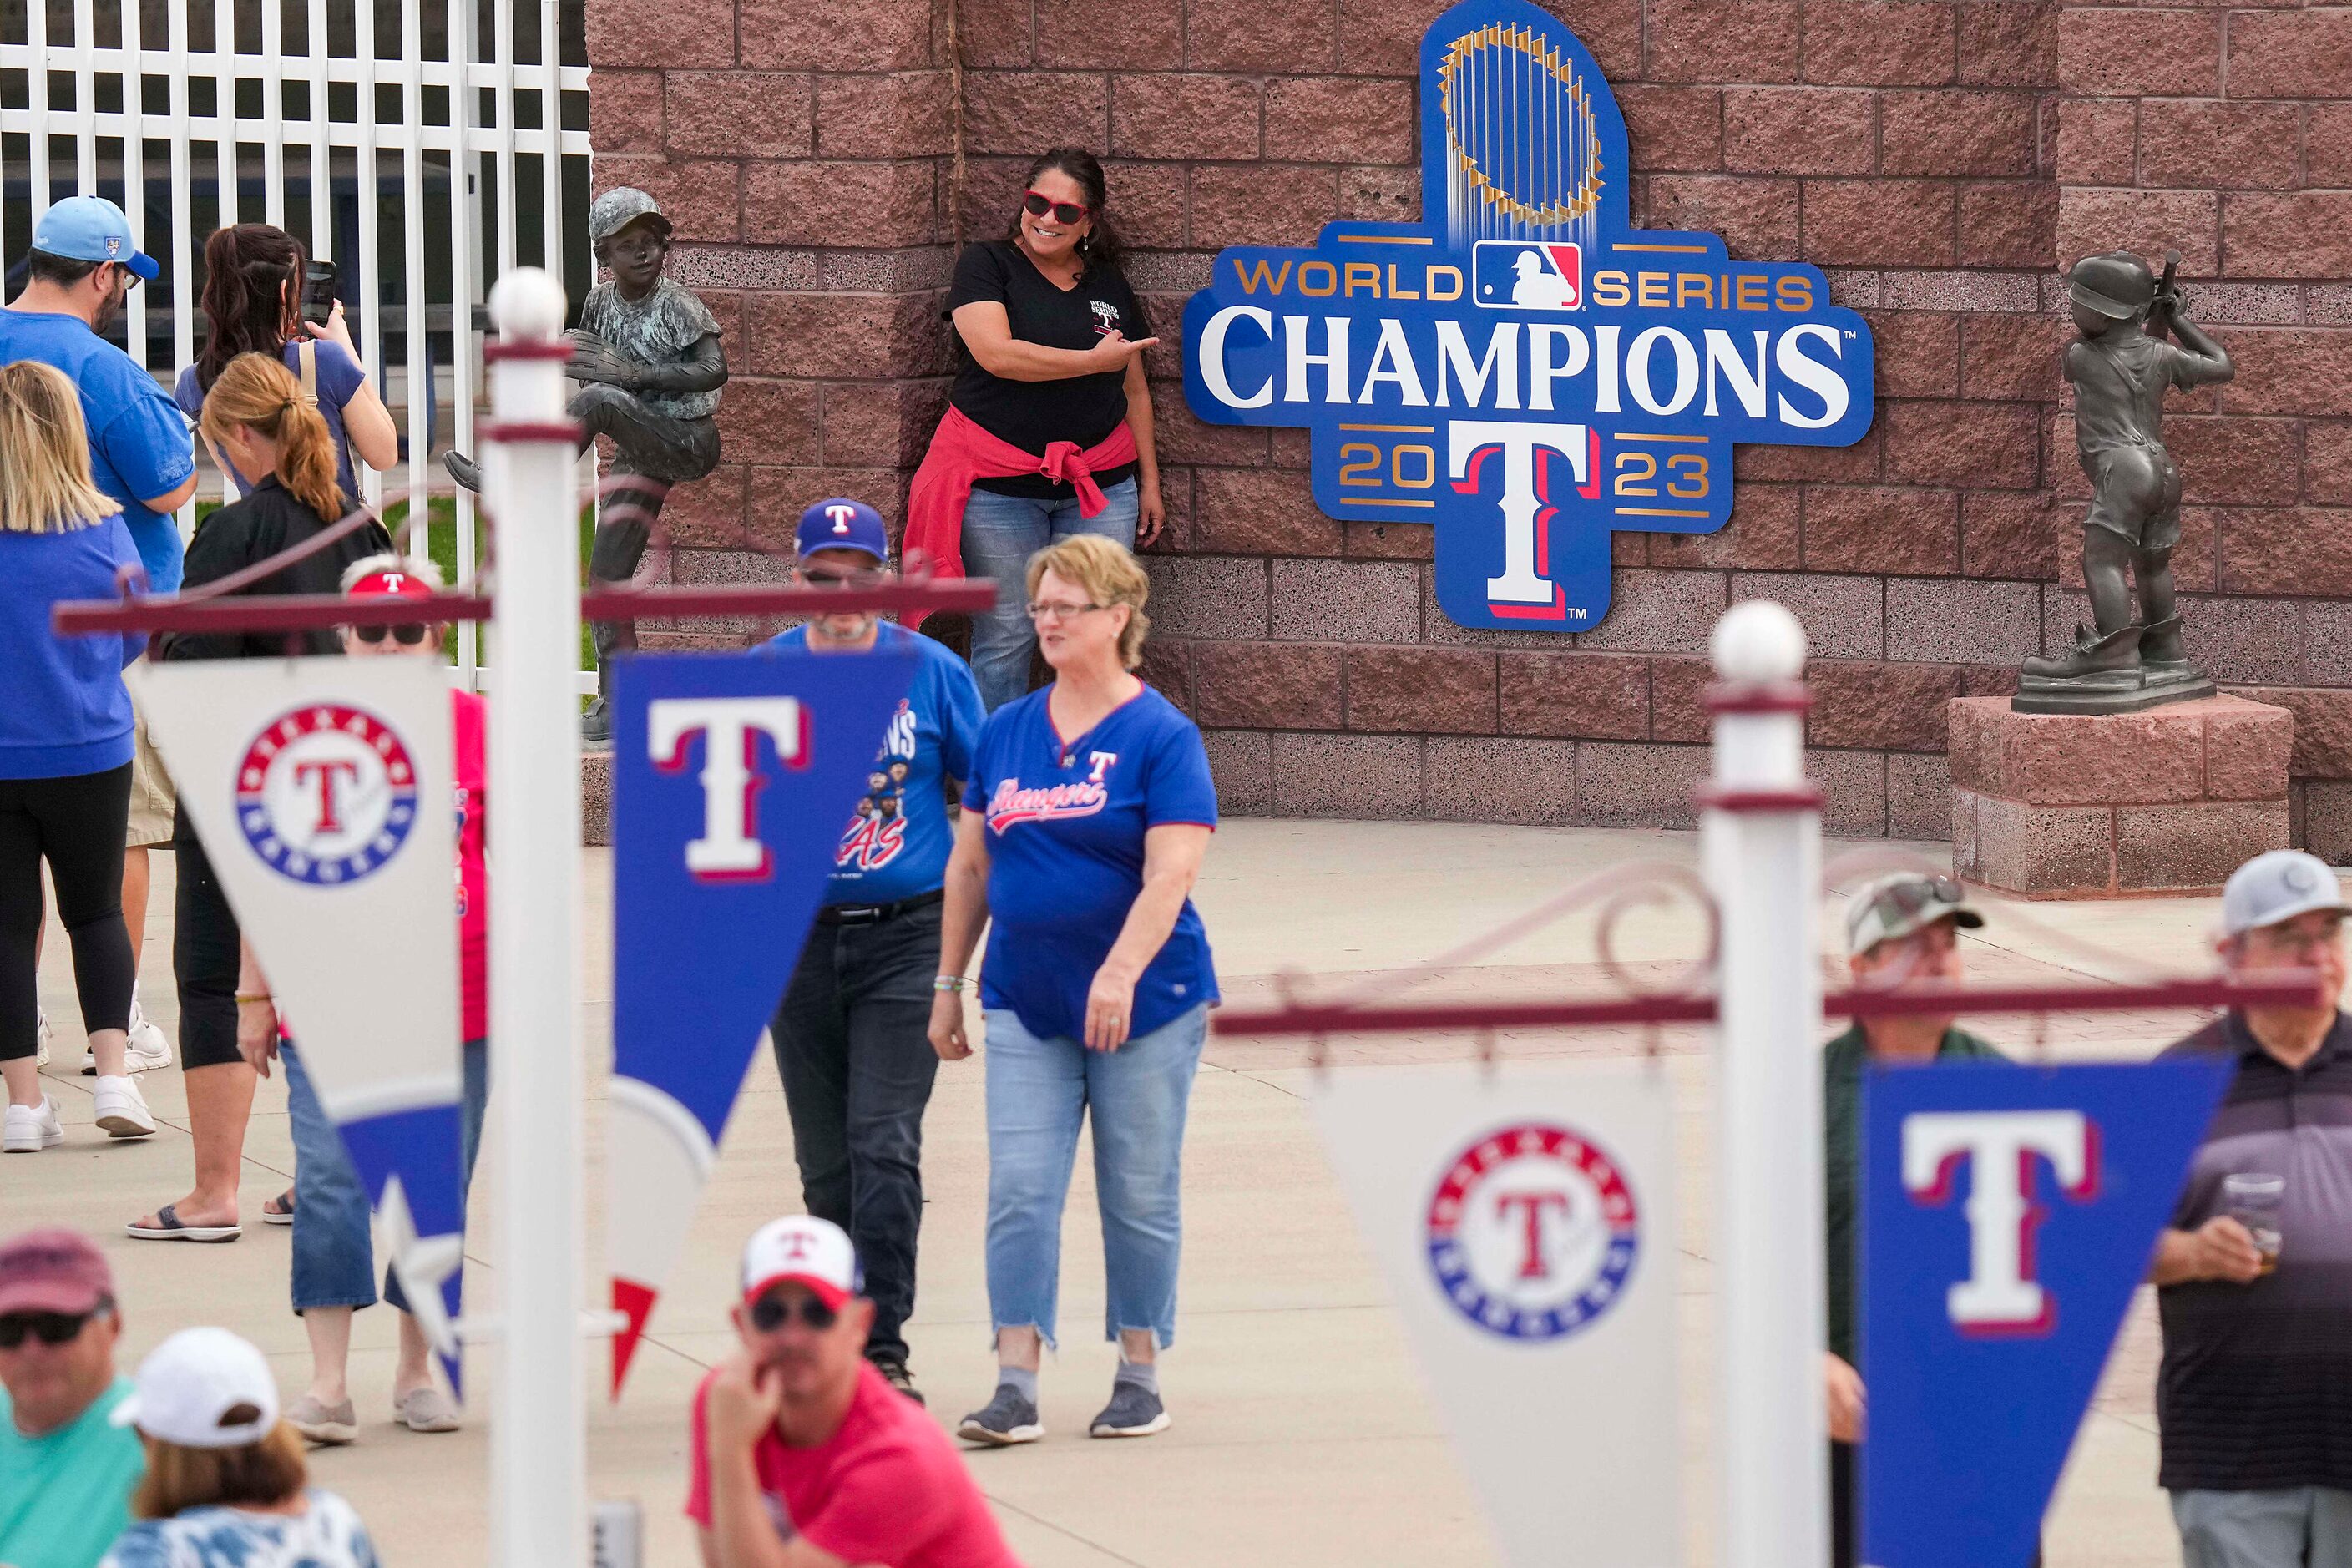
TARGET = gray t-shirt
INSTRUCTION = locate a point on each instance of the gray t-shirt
(657, 330)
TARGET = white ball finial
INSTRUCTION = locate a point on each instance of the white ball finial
(528, 303)
(1756, 642)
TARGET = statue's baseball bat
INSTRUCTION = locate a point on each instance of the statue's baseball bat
(2166, 298)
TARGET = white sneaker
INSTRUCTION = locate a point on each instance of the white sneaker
(31, 1129)
(41, 1038)
(122, 1109)
(148, 1050)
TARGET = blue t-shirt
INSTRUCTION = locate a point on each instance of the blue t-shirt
(340, 380)
(897, 846)
(1065, 827)
(139, 445)
(66, 712)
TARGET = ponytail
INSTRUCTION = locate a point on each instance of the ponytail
(246, 269)
(260, 394)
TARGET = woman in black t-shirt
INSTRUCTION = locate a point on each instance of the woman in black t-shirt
(1053, 342)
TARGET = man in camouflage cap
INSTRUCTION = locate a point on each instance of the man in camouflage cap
(649, 351)
(2121, 367)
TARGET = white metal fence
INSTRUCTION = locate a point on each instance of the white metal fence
(424, 146)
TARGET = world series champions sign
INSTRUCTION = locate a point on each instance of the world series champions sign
(1523, 370)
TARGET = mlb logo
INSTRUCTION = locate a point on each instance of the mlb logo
(1524, 275)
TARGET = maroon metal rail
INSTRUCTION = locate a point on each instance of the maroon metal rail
(2284, 990)
(309, 611)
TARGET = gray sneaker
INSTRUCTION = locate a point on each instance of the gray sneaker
(328, 1425)
(1008, 1419)
(1134, 1410)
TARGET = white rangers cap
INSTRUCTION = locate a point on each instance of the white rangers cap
(190, 1384)
(2278, 886)
(806, 1251)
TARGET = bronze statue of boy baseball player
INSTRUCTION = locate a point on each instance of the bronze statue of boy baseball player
(2121, 367)
(649, 351)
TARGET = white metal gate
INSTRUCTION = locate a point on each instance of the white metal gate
(424, 146)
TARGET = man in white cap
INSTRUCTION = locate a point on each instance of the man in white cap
(803, 1454)
(2254, 1397)
(1900, 930)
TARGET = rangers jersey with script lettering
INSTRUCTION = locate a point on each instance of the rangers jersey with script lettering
(1066, 826)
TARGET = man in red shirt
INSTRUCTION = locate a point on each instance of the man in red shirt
(805, 1456)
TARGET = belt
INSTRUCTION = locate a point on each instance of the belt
(875, 914)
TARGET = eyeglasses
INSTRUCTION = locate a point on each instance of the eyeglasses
(1061, 612)
(770, 1313)
(1039, 203)
(49, 1327)
(408, 634)
(852, 579)
(2300, 943)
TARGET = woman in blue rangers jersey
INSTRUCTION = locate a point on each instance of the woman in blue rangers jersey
(1087, 812)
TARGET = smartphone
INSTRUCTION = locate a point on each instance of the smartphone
(318, 291)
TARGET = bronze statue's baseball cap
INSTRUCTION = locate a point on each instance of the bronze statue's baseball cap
(1900, 904)
(617, 208)
(2117, 284)
(804, 1250)
(53, 1271)
(2278, 886)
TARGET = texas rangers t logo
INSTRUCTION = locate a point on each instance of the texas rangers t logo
(729, 849)
(325, 795)
(2001, 1148)
(1533, 1232)
(1609, 370)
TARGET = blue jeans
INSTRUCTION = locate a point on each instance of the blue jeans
(1000, 534)
(1038, 1092)
(334, 1260)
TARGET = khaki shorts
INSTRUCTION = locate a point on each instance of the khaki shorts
(153, 799)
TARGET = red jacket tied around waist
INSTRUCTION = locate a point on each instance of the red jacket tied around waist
(961, 452)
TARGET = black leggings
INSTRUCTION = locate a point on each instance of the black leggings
(77, 824)
(205, 953)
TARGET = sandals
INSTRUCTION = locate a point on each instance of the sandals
(168, 1227)
(278, 1210)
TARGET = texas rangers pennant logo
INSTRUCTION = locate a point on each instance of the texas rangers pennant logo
(1522, 368)
(723, 767)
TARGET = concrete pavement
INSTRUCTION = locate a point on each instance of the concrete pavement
(1301, 1434)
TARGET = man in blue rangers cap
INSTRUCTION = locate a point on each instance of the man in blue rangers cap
(82, 265)
(852, 1032)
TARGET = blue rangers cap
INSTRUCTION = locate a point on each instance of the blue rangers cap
(92, 228)
(841, 523)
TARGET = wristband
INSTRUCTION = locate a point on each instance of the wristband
(950, 982)
(245, 997)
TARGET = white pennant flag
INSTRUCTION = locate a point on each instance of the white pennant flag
(1524, 1218)
(322, 790)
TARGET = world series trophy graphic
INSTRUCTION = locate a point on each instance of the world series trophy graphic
(1523, 369)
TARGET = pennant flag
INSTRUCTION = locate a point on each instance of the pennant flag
(2008, 1215)
(1524, 1217)
(732, 777)
(321, 789)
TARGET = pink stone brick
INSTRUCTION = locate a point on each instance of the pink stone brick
(624, 111)
(1020, 111)
(1312, 120)
(1799, 130)
(1243, 764)
(1357, 776)
(1422, 690)
(2193, 848)
(742, 115)
(825, 34)
(2246, 754)
(1594, 696)
(2042, 851)
(1878, 43)
(1485, 778)
(1620, 786)
(884, 205)
(1118, 34)
(1919, 796)
(2119, 53)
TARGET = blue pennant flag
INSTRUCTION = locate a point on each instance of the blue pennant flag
(2008, 1215)
(734, 775)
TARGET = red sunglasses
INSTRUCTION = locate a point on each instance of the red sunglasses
(1039, 203)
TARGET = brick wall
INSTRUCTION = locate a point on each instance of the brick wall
(1935, 157)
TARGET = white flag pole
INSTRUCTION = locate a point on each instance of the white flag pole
(538, 1445)
(1763, 859)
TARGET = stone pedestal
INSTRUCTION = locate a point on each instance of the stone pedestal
(2170, 800)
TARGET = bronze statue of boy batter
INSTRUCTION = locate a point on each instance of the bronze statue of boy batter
(2121, 367)
(649, 351)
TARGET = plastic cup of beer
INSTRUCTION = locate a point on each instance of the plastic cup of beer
(2253, 1201)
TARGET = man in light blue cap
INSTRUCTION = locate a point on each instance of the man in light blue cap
(82, 264)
